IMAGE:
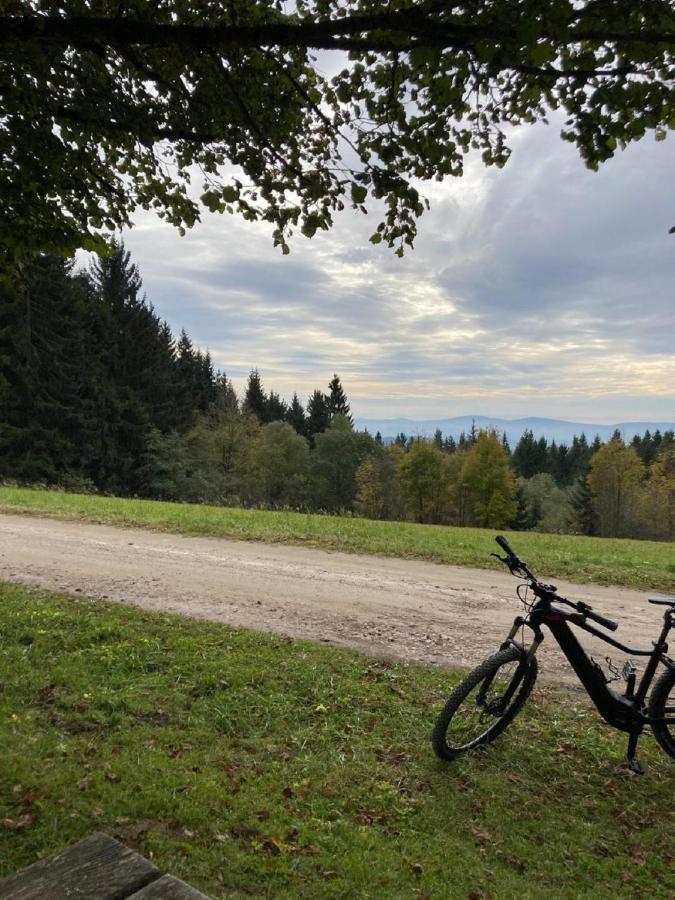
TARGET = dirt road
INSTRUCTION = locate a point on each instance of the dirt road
(444, 615)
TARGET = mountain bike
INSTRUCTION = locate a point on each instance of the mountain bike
(490, 697)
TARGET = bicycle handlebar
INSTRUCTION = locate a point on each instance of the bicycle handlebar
(516, 564)
(504, 544)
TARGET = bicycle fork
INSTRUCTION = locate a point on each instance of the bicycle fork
(497, 707)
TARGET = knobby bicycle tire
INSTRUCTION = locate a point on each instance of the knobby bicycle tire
(663, 695)
(489, 668)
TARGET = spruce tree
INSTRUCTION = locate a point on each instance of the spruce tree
(337, 399)
(318, 414)
(145, 384)
(584, 518)
(522, 519)
(295, 416)
(255, 400)
(275, 408)
(225, 395)
(46, 414)
(525, 457)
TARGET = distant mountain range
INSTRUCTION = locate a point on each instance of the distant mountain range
(556, 430)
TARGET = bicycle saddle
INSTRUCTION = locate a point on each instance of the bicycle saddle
(662, 601)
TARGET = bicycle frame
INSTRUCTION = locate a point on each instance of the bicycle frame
(624, 712)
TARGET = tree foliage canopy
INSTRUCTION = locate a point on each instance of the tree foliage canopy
(108, 107)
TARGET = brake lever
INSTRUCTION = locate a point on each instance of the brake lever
(509, 562)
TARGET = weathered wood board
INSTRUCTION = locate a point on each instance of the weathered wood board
(168, 888)
(96, 868)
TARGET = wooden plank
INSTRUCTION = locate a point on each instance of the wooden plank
(96, 868)
(169, 888)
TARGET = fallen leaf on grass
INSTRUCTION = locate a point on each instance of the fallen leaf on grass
(637, 854)
(24, 821)
(483, 837)
(274, 846)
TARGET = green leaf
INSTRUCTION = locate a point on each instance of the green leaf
(359, 193)
(230, 193)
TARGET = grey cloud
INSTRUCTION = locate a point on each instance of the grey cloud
(534, 279)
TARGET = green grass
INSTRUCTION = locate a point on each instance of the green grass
(253, 765)
(640, 564)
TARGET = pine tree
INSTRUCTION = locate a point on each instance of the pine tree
(275, 408)
(147, 382)
(225, 395)
(44, 398)
(578, 458)
(437, 440)
(525, 456)
(255, 401)
(521, 520)
(584, 519)
(337, 399)
(318, 414)
(295, 416)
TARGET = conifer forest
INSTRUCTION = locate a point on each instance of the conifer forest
(98, 395)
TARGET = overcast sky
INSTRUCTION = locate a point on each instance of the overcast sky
(542, 289)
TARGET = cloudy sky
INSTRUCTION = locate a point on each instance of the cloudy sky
(542, 289)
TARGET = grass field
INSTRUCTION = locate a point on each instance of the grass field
(252, 765)
(640, 564)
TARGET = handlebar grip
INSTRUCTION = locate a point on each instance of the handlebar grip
(601, 620)
(504, 544)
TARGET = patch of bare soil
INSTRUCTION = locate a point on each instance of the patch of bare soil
(404, 609)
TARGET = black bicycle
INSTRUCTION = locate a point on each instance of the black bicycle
(490, 696)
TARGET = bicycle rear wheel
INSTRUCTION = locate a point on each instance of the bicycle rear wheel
(662, 705)
(478, 710)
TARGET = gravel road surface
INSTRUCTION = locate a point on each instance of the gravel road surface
(405, 609)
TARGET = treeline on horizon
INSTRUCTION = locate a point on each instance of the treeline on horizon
(97, 395)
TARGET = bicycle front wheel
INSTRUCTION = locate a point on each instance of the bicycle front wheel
(484, 704)
(662, 706)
